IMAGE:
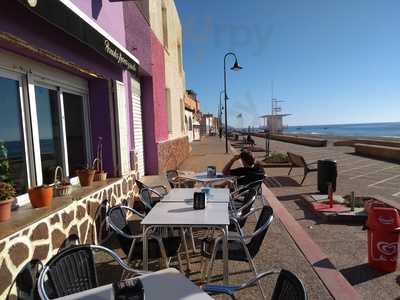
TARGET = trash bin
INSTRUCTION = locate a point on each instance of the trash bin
(383, 238)
(327, 173)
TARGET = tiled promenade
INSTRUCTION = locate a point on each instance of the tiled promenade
(345, 245)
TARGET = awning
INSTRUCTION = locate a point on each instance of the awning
(69, 18)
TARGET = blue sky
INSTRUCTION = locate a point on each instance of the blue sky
(332, 62)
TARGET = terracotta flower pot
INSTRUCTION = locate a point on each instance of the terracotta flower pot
(41, 196)
(5, 209)
(86, 176)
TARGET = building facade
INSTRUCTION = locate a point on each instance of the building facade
(73, 72)
(192, 116)
(165, 23)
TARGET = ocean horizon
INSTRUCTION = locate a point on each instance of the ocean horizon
(382, 130)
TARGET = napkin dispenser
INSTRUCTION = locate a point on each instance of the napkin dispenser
(199, 200)
(211, 171)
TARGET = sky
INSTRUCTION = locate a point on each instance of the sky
(332, 62)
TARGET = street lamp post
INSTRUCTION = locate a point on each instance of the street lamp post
(235, 67)
(220, 114)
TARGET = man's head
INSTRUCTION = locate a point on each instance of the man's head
(247, 158)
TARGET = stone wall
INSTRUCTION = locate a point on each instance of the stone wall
(171, 153)
(42, 239)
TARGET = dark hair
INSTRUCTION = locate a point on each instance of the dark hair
(247, 157)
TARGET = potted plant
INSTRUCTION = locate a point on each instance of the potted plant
(41, 196)
(86, 176)
(7, 196)
(98, 162)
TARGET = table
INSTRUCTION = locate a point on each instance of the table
(166, 284)
(204, 179)
(186, 195)
(182, 214)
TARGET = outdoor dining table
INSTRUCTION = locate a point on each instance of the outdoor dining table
(204, 179)
(215, 195)
(166, 284)
(180, 215)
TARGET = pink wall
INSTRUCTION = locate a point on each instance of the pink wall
(160, 107)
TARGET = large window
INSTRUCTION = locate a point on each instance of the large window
(43, 124)
(12, 147)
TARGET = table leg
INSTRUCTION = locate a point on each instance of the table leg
(225, 255)
(186, 250)
(145, 251)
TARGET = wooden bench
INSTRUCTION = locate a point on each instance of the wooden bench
(380, 152)
(298, 161)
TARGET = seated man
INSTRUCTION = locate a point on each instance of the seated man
(250, 172)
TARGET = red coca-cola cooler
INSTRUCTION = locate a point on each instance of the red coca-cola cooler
(383, 238)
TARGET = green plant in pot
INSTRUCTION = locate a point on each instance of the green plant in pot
(7, 196)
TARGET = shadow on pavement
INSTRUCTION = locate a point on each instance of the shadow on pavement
(361, 273)
(280, 181)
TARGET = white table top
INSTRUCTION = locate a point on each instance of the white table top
(202, 177)
(186, 195)
(166, 284)
(182, 213)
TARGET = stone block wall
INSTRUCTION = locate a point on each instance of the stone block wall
(171, 153)
(42, 239)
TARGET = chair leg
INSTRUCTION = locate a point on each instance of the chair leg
(290, 170)
(304, 177)
(210, 268)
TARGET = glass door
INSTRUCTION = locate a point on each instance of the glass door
(48, 117)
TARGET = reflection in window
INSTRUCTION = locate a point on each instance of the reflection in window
(49, 131)
(75, 131)
(12, 148)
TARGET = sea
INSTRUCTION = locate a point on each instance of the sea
(382, 130)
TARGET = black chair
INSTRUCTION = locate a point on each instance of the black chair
(146, 198)
(241, 207)
(74, 270)
(241, 247)
(172, 177)
(131, 238)
(288, 286)
(159, 189)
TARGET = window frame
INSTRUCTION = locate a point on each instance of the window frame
(28, 80)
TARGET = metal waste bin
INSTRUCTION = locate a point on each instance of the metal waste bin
(327, 173)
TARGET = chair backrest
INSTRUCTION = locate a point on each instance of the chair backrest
(71, 271)
(249, 199)
(296, 160)
(145, 198)
(288, 286)
(140, 185)
(103, 235)
(171, 175)
(263, 222)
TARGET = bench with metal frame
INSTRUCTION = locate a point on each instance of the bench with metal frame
(299, 161)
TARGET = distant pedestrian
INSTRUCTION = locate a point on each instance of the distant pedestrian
(250, 141)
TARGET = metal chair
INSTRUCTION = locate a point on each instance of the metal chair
(241, 208)
(241, 247)
(146, 198)
(132, 244)
(159, 189)
(74, 270)
(288, 286)
(176, 181)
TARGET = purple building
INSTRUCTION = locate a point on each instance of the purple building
(72, 71)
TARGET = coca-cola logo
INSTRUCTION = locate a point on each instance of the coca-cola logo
(387, 248)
